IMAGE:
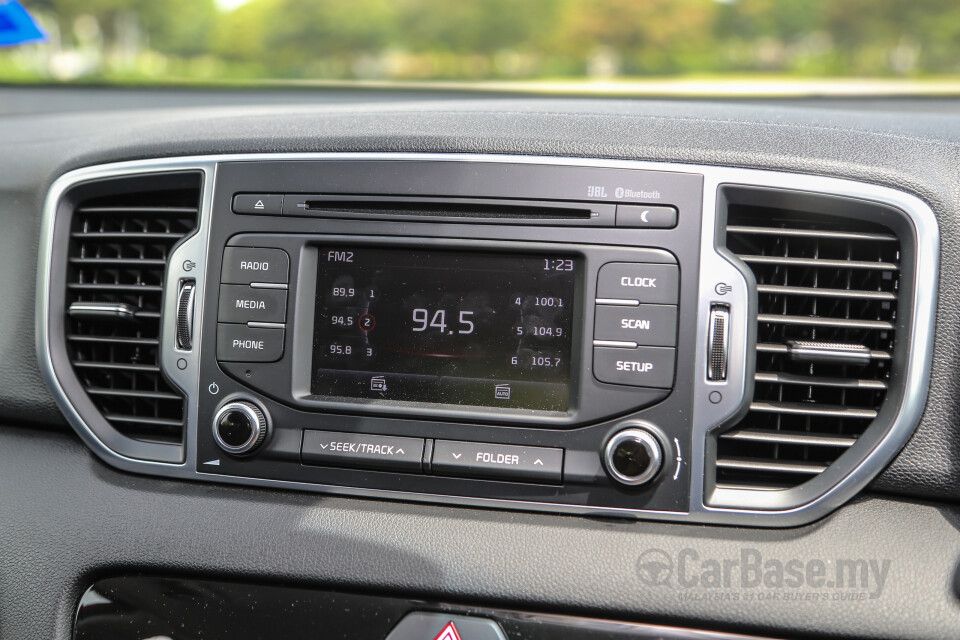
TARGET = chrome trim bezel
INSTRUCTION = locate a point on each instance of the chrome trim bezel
(708, 416)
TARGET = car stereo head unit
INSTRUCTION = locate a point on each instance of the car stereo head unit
(440, 328)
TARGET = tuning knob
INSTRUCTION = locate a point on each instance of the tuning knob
(633, 456)
(240, 427)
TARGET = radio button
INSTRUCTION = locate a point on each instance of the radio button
(639, 367)
(245, 304)
(258, 203)
(243, 265)
(362, 450)
(240, 343)
(648, 283)
(497, 461)
(652, 325)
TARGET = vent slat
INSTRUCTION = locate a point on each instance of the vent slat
(123, 393)
(784, 232)
(777, 289)
(118, 255)
(129, 288)
(117, 366)
(126, 262)
(789, 437)
(772, 347)
(138, 211)
(113, 339)
(819, 381)
(799, 408)
(845, 323)
(127, 236)
(772, 467)
(160, 422)
(821, 280)
(819, 263)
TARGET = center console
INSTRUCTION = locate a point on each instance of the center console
(567, 335)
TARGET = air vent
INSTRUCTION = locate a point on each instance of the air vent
(827, 291)
(120, 240)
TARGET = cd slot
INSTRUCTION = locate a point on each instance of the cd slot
(472, 210)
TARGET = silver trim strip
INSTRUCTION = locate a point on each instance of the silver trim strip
(722, 268)
(268, 285)
(266, 325)
(615, 343)
(626, 303)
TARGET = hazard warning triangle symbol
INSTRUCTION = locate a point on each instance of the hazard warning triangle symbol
(449, 632)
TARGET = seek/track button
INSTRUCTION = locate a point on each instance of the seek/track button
(362, 450)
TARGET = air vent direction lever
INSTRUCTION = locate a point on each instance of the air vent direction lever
(185, 314)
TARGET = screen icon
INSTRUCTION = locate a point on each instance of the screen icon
(378, 383)
(501, 392)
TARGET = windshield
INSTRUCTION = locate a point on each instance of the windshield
(659, 46)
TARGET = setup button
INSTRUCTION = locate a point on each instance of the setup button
(639, 367)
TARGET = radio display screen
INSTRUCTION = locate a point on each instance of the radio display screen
(444, 327)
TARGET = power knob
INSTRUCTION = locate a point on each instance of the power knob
(633, 456)
(240, 427)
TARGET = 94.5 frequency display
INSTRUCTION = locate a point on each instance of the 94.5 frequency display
(443, 327)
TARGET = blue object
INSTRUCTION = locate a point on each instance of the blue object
(17, 26)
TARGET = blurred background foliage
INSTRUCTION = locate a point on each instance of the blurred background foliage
(215, 41)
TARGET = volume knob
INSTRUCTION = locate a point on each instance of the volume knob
(633, 456)
(240, 427)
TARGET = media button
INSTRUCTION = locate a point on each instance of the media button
(362, 450)
(245, 304)
(240, 343)
(648, 283)
(652, 325)
(243, 265)
(497, 461)
(639, 367)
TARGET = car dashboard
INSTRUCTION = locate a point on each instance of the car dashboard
(478, 366)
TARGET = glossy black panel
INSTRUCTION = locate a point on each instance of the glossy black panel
(142, 608)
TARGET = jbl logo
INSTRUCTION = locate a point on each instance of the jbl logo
(596, 191)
